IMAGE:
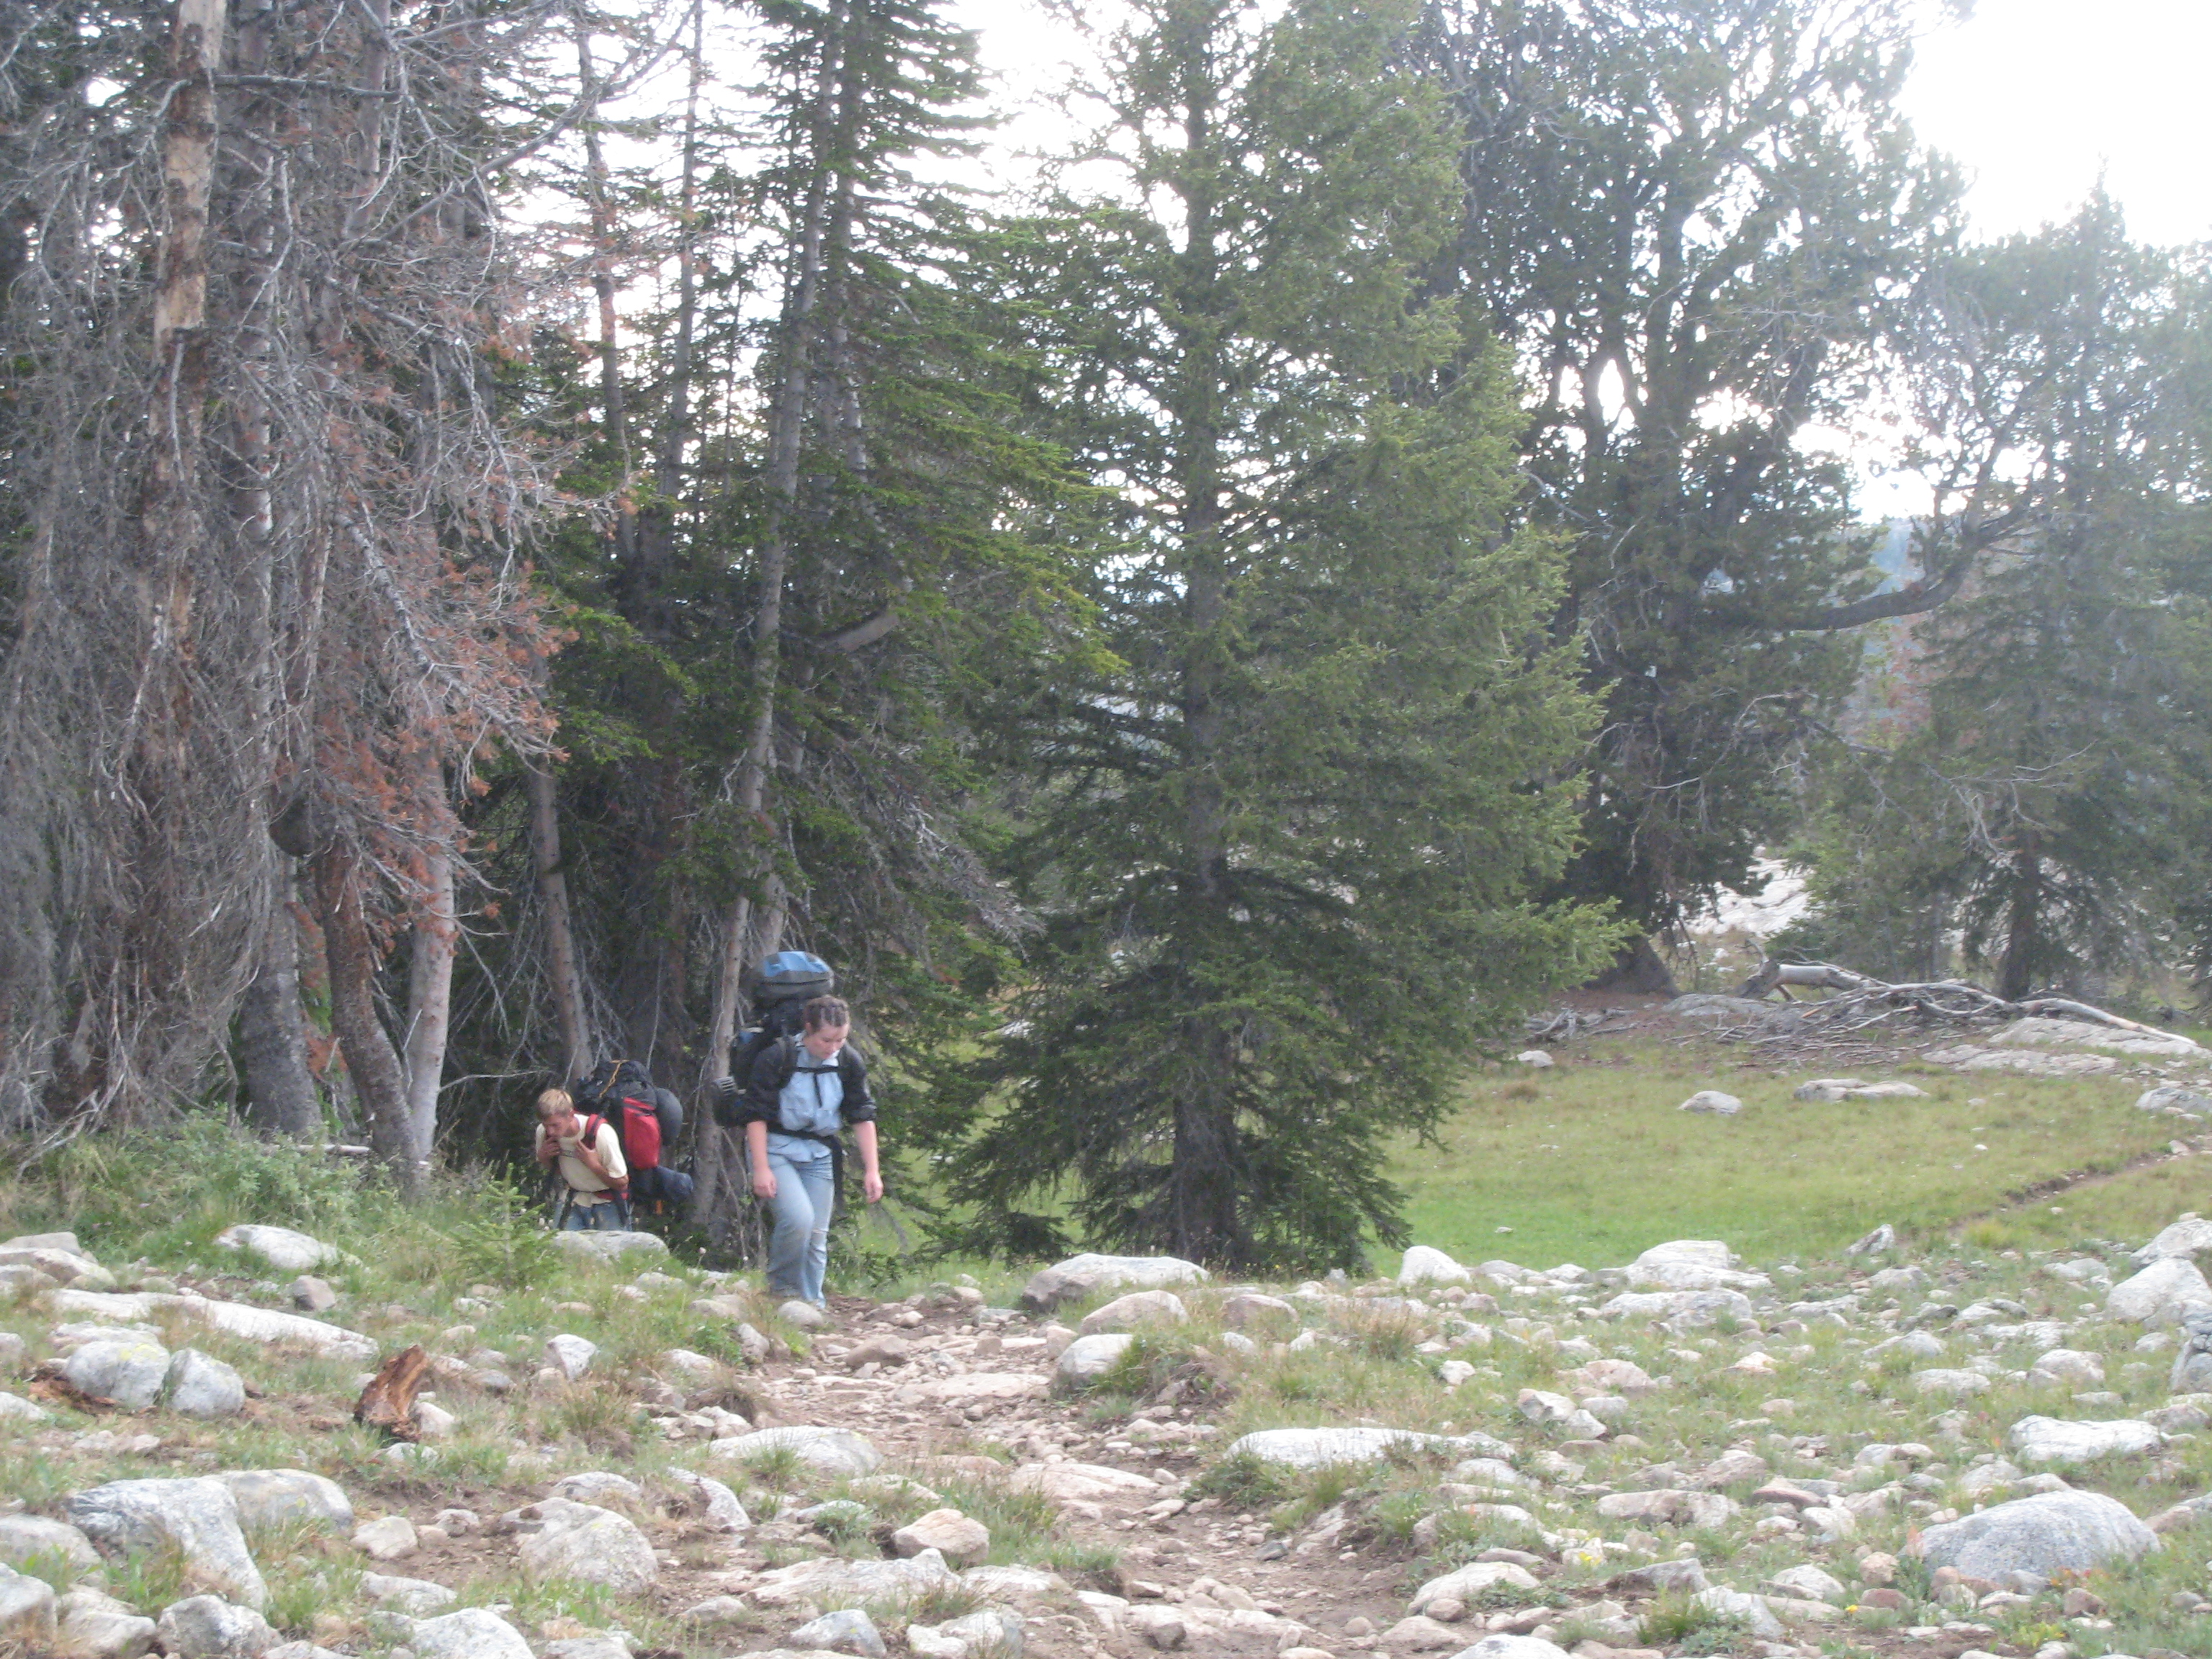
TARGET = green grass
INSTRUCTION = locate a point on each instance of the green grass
(1592, 1162)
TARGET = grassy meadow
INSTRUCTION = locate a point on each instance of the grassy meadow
(1591, 1161)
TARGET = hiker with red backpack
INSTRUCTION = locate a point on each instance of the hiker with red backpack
(588, 1151)
(646, 1121)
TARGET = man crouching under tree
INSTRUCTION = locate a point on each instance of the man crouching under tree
(591, 1167)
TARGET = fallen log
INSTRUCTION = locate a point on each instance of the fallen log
(1864, 1001)
(388, 1401)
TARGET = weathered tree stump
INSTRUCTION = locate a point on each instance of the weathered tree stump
(388, 1401)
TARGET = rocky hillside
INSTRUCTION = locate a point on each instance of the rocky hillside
(619, 1457)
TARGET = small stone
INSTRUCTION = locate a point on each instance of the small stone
(1535, 1059)
(197, 1385)
(962, 1540)
(27, 1612)
(805, 1315)
(471, 1633)
(389, 1539)
(587, 1545)
(716, 1610)
(31, 1543)
(1136, 1310)
(846, 1631)
(571, 1355)
(208, 1627)
(418, 1598)
(1421, 1634)
(1713, 1100)
(1087, 1358)
(131, 1373)
(89, 1624)
(279, 1247)
(313, 1295)
(433, 1421)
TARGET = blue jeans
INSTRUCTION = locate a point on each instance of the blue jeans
(611, 1217)
(798, 1249)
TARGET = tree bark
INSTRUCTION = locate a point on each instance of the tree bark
(379, 1081)
(2023, 926)
(560, 929)
(430, 988)
(272, 1030)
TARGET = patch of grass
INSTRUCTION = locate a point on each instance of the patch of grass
(149, 1578)
(1683, 1626)
(776, 1468)
(1096, 1565)
(1324, 1487)
(1244, 1482)
(1786, 1178)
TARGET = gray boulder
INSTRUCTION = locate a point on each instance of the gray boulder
(267, 1498)
(129, 1373)
(89, 1624)
(472, 1633)
(1503, 1646)
(1426, 1265)
(1087, 1275)
(280, 1248)
(827, 1579)
(2050, 1532)
(832, 1452)
(1682, 1308)
(2187, 1236)
(1717, 1101)
(28, 1542)
(197, 1519)
(27, 1612)
(2165, 1293)
(2175, 1097)
(199, 1386)
(1087, 1358)
(610, 1246)
(710, 1500)
(1318, 1448)
(850, 1630)
(208, 1627)
(1134, 1311)
(994, 1631)
(584, 1544)
(13, 1408)
(2054, 1440)
(417, 1598)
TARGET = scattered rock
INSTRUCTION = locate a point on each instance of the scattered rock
(1079, 1483)
(1828, 1090)
(2069, 1368)
(91, 1625)
(1467, 1584)
(1536, 1059)
(2175, 1097)
(27, 1612)
(1418, 1633)
(596, 1487)
(418, 1598)
(804, 1314)
(197, 1519)
(1087, 1358)
(1506, 1646)
(268, 1498)
(611, 1245)
(2186, 1237)
(2164, 1293)
(1714, 1101)
(715, 1502)
(473, 1632)
(313, 1295)
(827, 1451)
(2052, 1440)
(830, 1578)
(280, 1248)
(963, 1541)
(587, 1545)
(1316, 1448)
(1249, 1307)
(1810, 1583)
(1668, 1506)
(571, 1355)
(131, 1373)
(1952, 1384)
(1426, 1265)
(850, 1630)
(1087, 1275)
(198, 1386)
(1692, 1264)
(208, 1627)
(13, 1408)
(389, 1539)
(1134, 1311)
(2049, 1532)
(30, 1543)
(1753, 1609)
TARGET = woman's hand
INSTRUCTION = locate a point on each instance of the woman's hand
(871, 1184)
(764, 1184)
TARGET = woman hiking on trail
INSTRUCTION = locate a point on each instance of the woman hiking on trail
(803, 1089)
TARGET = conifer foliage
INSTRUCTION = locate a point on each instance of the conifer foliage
(1281, 847)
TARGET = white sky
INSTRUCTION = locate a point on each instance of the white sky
(2035, 98)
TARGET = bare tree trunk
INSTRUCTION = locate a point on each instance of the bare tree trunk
(430, 984)
(379, 1082)
(560, 929)
(272, 1030)
(2023, 926)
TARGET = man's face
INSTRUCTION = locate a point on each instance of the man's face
(562, 1125)
(824, 1041)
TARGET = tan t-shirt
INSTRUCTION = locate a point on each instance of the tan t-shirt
(587, 1187)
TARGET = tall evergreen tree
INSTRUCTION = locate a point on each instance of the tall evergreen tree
(1284, 846)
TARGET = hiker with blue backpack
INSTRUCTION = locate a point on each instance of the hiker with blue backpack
(801, 1090)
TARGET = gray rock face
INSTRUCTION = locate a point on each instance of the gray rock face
(276, 1498)
(26, 1610)
(129, 1373)
(198, 1518)
(828, 1451)
(2053, 1440)
(587, 1545)
(472, 1633)
(29, 1541)
(199, 1386)
(2048, 1534)
(610, 1246)
(90, 1625)
(847, 1630)
(208, 1627)
(1087, 1275)
(1134, 1311)
(1317, 1448)
(280, 1248)
(1087, 1358)
(2165, 1293)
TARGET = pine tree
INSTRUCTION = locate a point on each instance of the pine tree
(1283, 845)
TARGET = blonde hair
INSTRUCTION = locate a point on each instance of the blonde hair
(554, 1101)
